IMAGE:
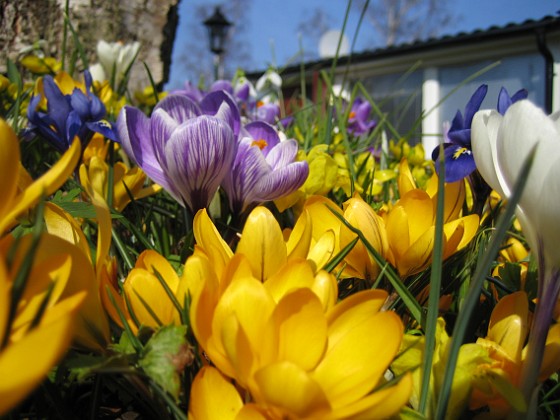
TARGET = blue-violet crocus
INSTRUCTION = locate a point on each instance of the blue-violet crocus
(264, 168)
(71, 110)
(457, 154)
(185, 151)
(459, 160)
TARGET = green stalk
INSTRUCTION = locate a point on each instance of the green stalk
(433, 300)
(476, 285)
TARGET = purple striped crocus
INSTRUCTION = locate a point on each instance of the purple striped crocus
(264, 168)
(185, 151)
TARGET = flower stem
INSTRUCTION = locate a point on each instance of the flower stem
(548, 290)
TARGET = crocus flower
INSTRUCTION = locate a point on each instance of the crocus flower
(279, 343)
(411, 224)
(72, 110)
(457, 154)
(128, 183)
(179, 148)
(500, 146)
(264, 168)
(115, 60)
(358, 119)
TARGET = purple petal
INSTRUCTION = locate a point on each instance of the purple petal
(180, 108)
(459, 163)
(260, 130)
(80, 103)
(248, 169)
(474, 104)
(504, 101)
(215, 103)
(222, 85)
(73, 126)
(133, 129)
(199, 155)
(104, 128)
(283, 154)
(282, 181)
(162, 126)
(268, 113)
(57, 104)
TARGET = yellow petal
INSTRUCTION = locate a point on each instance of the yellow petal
(202, 284)
(300, 329)
(252, 305)
(322, 218)
(323, 250)
(45, 185)
(299, 241)
(9, 163)
(325, 287)
(154, 262)
(5, 289)
(293, 275)
(358, 355)
(551, 357)
(262, 243)
(55, 270)
(360, 215)
(92, 328)
(145, 291)
(209, 239)
(24, 364)
(405, 181)
(381, 404)
(420, 210)
(418, 255)
(62, 224)
(508, 324)
(213, 397)
(292, 389)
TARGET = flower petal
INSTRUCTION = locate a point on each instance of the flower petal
(263, 244)
(199, 154)
(213, 397)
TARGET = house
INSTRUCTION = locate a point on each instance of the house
(437, 76)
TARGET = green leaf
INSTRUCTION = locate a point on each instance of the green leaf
(164, 357)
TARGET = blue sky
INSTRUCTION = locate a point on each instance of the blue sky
(273, 25)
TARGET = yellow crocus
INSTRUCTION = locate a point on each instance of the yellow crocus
(41, 65)
(496, 382)
(126, 182)
(149, 301)
(410, 360)
(410, 230)
(30, 347)
(19, 192)
(294, 356)
(410, 223)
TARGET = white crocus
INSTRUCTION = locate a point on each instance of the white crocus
(500, 146)
(116, 57)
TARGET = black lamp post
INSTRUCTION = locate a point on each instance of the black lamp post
(218, 27)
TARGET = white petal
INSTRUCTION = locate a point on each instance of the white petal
(484, 133)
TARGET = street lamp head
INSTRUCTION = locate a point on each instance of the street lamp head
(218, 27)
